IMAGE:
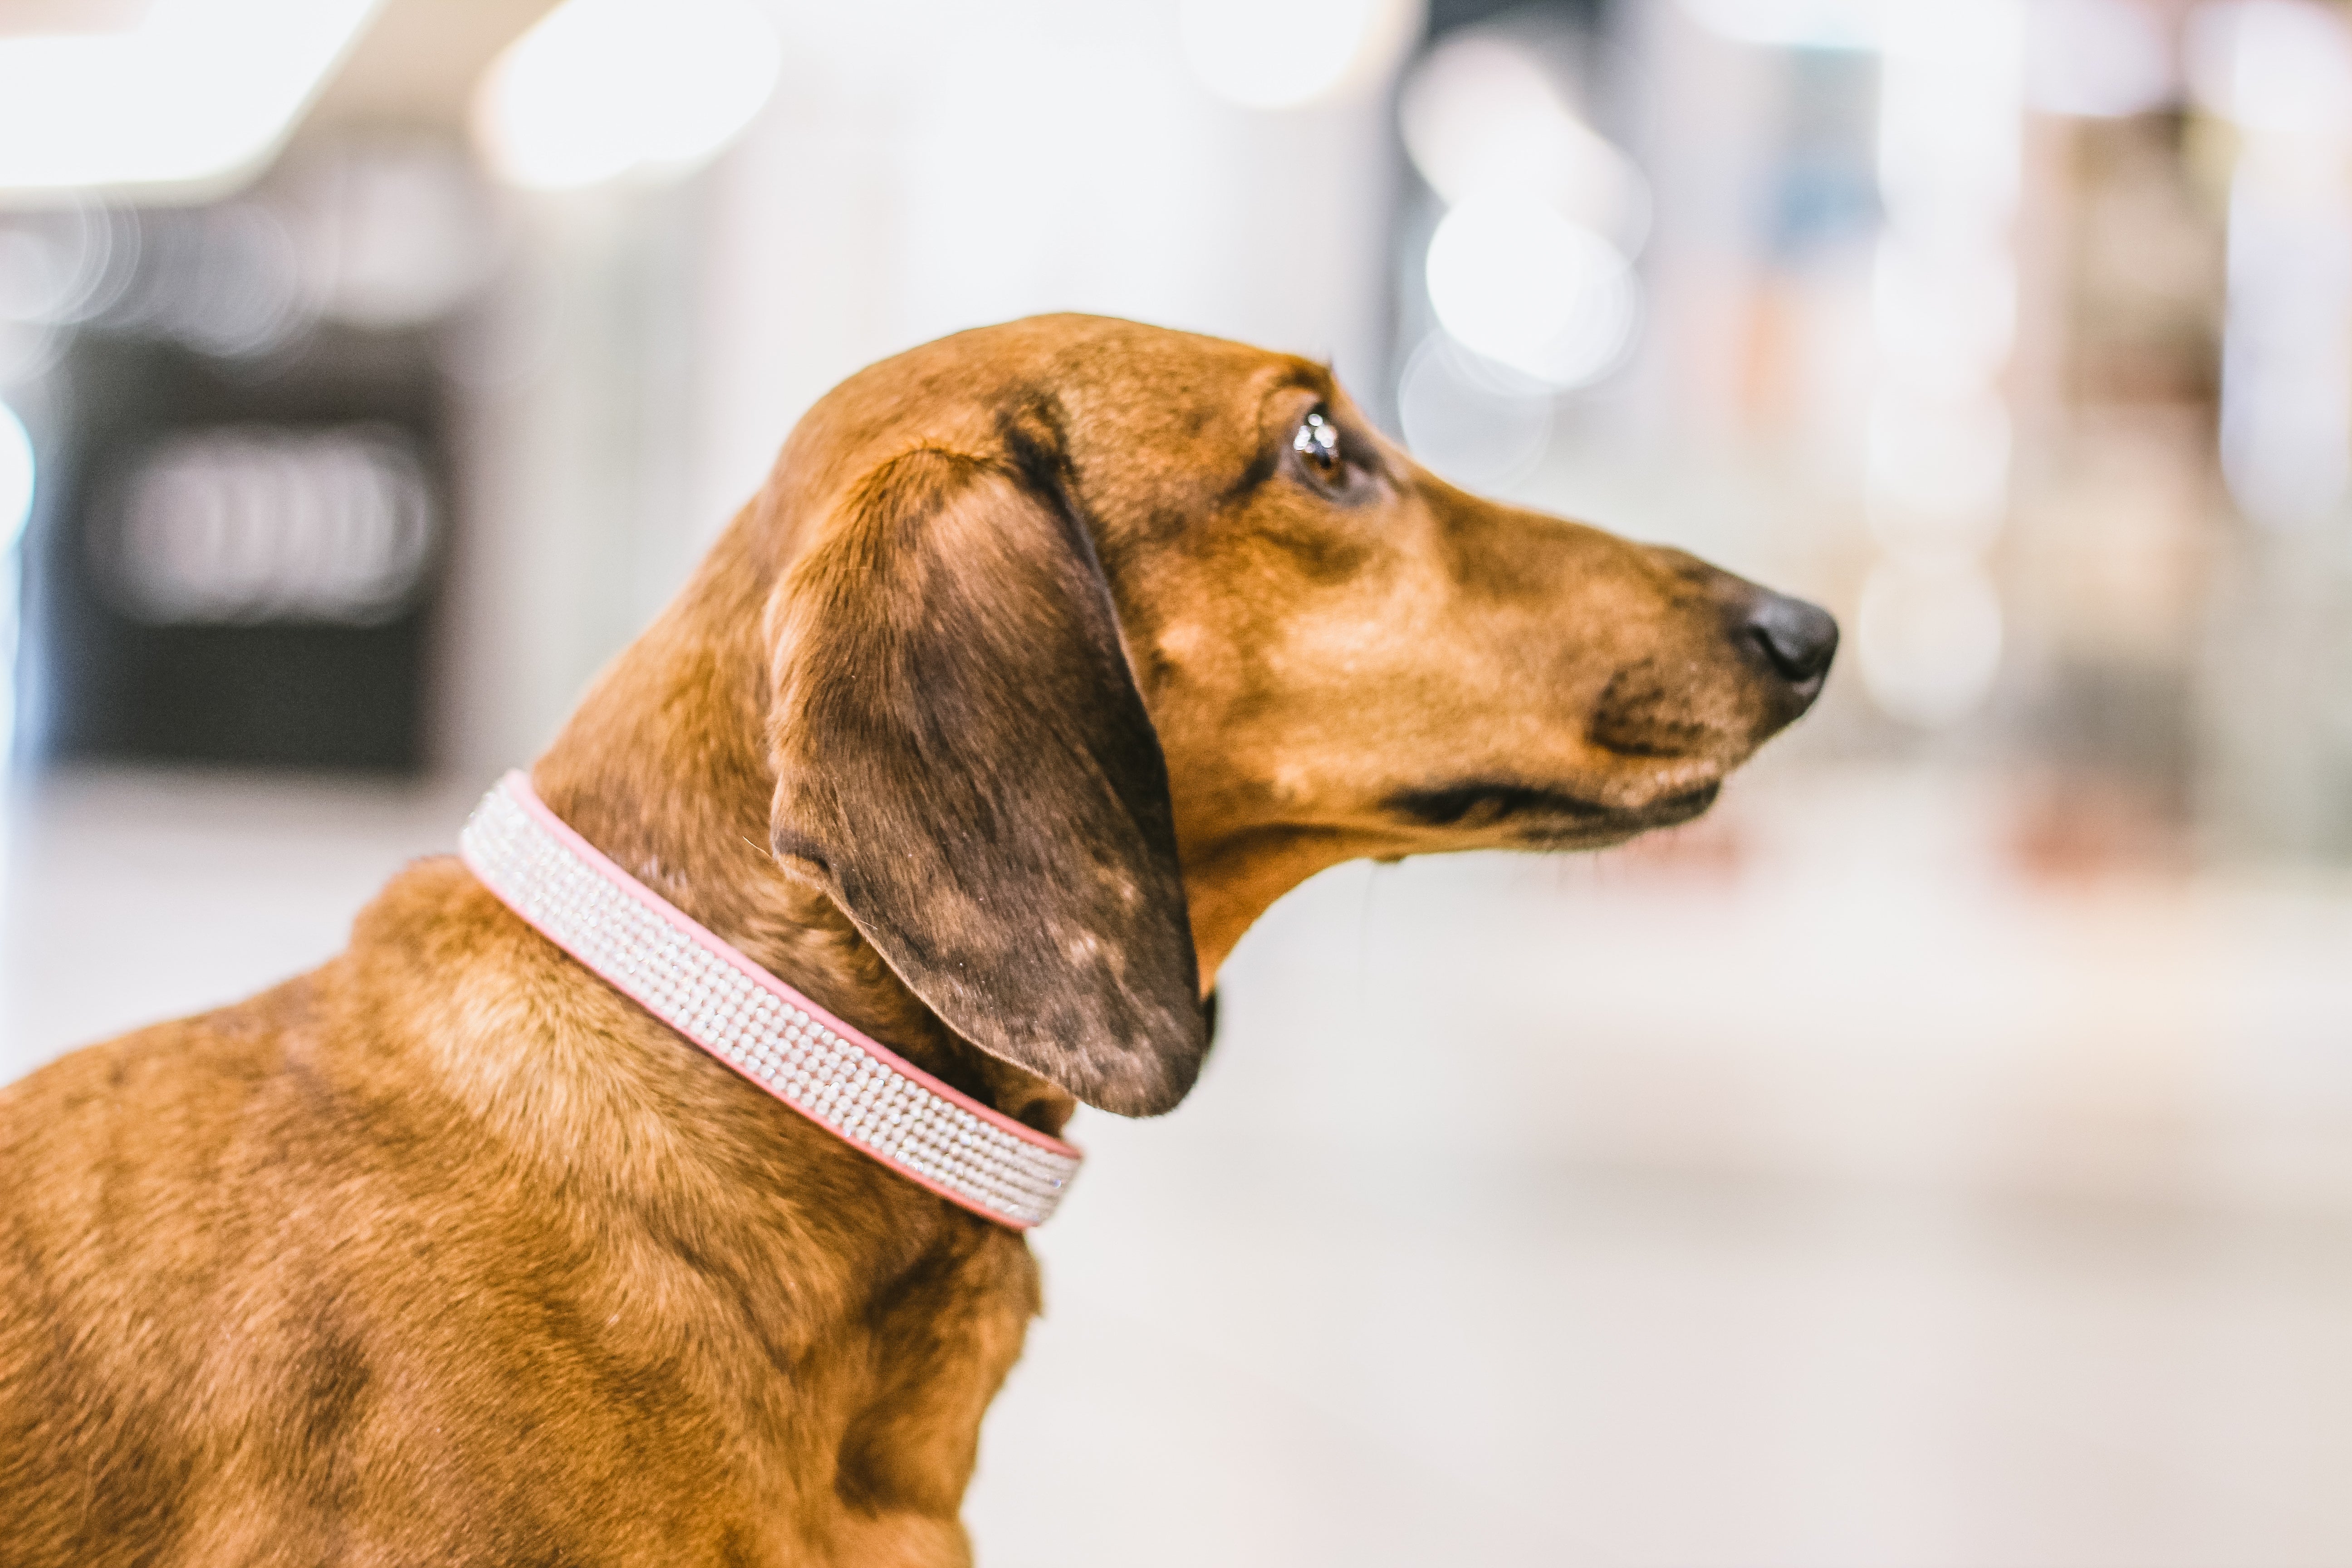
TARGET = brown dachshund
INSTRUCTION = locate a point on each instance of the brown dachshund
(1049, 656)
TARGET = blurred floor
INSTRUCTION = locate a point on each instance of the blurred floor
(1816, 1192)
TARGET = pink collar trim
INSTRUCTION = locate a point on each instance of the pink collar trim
(698, 984)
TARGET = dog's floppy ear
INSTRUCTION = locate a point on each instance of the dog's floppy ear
(964, 761)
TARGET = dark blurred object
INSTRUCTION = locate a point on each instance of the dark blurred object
(237, 559)
(241, 570)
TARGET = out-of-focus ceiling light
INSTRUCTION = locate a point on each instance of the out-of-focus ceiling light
(1286, 54)
(2096, 58)
(1794, 23)
(1513, 279)
(15, 476)
(393, 232)
(606, 89)
(1480, 116)
(198, 94)
(53, 262)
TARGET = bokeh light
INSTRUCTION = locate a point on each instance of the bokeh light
(1475, 422)
(603, 89)
(2282, 73)
(245, 526)
(16, 477)
(1514, 279)
(1481, 116)
(395, 233)
(1287, 54)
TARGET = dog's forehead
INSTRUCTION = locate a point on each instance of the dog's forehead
(1115, 400)
(1150, 378)
(1112, 373)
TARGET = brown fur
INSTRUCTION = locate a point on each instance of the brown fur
(1041, 667)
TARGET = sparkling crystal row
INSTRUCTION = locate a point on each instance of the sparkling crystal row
(725, 1004)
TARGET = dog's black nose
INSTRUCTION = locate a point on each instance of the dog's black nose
(1796, 638)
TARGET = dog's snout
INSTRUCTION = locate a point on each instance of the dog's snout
(1797, 639)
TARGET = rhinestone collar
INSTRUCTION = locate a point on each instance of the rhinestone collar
(644, 946)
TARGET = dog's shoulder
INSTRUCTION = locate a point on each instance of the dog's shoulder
(144, 1102)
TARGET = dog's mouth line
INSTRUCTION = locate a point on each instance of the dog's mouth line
(1684, 807)
(1649, 749)
(1485, 802)
(1635, 751)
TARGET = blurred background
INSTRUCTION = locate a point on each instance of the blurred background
(1941, 1156)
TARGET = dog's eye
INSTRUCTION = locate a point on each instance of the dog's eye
(1318, 446)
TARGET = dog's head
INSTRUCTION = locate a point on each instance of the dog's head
(1095, 638)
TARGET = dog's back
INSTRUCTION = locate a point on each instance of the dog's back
(140, 1180)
